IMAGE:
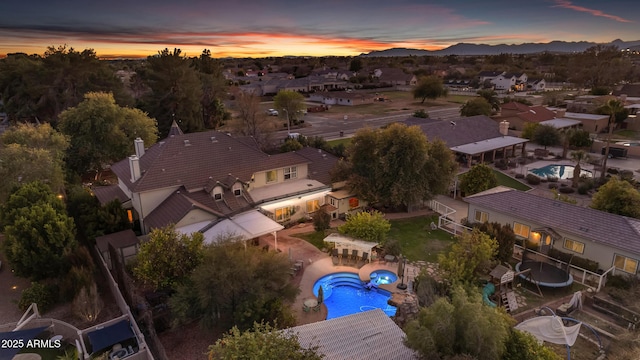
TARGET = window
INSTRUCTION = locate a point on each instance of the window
(575, 246)
(332, 201)
(481, 216)
(354, 203)
(313, 205)
(290, 173)
(284, 214)
(217, 193)
(272, 176)
(237, 189)
(521, 230)
(625, 264)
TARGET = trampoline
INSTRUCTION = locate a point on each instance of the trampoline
(544, 274)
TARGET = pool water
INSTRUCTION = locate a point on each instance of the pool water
(560, 172)
(344, 294)
(383, 277)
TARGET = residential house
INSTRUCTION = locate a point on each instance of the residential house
(473, 139)
(609, 239)
(504, 81)
(536, 85)
(347, 98)
(592, 123)
(395, 77)
(518, 114)
(214, 183)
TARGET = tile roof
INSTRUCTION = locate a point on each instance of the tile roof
(120, 239)
(631, 90)
(320, 164)
(189, 160)
(536, 114)
(617, 231)
(465, 131)
(173, 209)
(106, 194)
(366, 335)
(514, 105)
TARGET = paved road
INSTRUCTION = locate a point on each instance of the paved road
(330, 128)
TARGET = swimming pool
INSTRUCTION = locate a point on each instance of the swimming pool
(383, 277)
(559, 172)
(345, 294)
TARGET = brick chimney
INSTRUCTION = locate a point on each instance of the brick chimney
(138, 143)
(134, 166)
(504, 127)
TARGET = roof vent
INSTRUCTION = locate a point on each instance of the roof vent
(213, 139)
(187, 143)
(229, 148)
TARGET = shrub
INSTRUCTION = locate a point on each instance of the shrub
(612, 171)
(553, 185)
(77, 278)
(321, 220)
(37, 293)
(619, 282)
(552, 179)
(575, 260)
(519, 176)
(532, 179)
(566, 190)
(392, 247)
(583, 189)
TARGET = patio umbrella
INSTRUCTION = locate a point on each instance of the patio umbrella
(400, 267)
(320, 295)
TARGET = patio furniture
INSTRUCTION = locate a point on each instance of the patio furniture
(311, 303)
(363, 260)
(389, 258)
(354, 256)
(345, 256)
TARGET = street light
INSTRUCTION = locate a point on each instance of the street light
(288, 123)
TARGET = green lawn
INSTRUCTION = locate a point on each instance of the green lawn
(345, 141)
(417, 240)
(508, 181)
(459, 99)
(627, 134)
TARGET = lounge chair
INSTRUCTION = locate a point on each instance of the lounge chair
(363, 260)
(345, 256)
(354, 256)
(334, 257)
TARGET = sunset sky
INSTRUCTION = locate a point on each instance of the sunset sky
(254, 28)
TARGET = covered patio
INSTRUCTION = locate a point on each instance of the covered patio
(345, 243)
(245, 226)
(489, 149)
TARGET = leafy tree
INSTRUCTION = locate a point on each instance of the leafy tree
(321, 219)
(30, 153)
(251, 120)
(429, 87)
(40, 88)
(213, 86)
(476, 106)
(504, 236)
(92, 219)
(460, 326)
(420, 114)
(366, 225)
(38, 234)
(492, 98)
(579, 157)
(479, 178)
(470, 255)
(168, 258)
(261, 342)
(546, 135)
(290, 144)
(290, 105)
(529, 130)
(176, 92)
(236, 285)
(523, 346)
(355, 65)
(397, 166)
(611, 108)
(580, 139)
(617, 197)
(102, 132)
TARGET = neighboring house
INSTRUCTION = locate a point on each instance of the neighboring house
(205, 180)
(304, 85)
(395, 77)
(518, 114)
(504, 81)
(609, 239)
(364, 335)
(536, 85)
(347, 98)
(592, 123)
(472, 139)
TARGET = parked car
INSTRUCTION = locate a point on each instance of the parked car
(272, 112)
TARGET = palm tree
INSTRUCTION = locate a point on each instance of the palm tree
(565, 139)
(612, 107)
(578, 156)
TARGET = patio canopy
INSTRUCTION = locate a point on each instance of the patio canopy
(346, 242)
(247, 225)
(488, 145)
(8, 352)
(108, 336)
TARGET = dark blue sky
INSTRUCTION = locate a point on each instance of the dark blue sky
(323, 27)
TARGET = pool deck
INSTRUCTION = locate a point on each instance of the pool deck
(324, 266)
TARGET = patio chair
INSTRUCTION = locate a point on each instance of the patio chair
(305, 308)
(363, 260)
(354, 256)
(345, 256)
(334, 257)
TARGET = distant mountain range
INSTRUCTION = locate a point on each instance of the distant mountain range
(526, 48)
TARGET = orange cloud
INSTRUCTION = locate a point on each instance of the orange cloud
(568, 5)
